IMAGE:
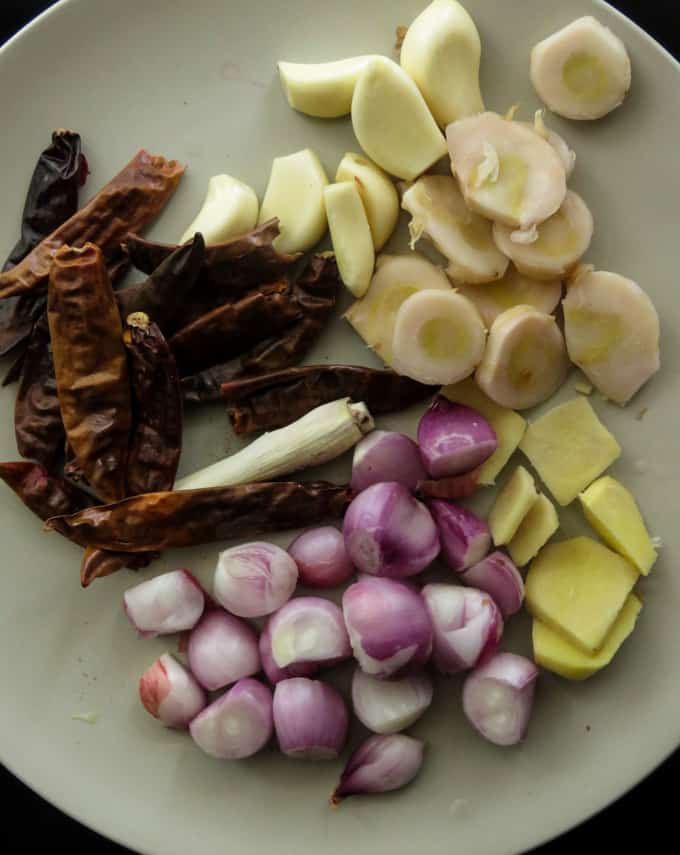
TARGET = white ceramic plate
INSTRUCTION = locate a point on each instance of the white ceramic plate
(197, 81)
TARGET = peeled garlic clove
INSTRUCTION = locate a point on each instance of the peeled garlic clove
(514, 289)
(230, 209)
(612, 333)
(582, 71)
(350, 235)
(559, 244)
(439, 213)
(392, 122)
(294, 194)
(322, 89)
(377, 192)
(441, 52)
(525, 361)
(396, 278)
(438, 338)
(506, 171)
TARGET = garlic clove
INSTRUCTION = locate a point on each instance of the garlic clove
(350, 235)
(322, 89)
(441, 53)
(229, 209)
(392, 121)
(378, 194)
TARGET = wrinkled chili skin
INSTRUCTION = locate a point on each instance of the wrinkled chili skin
(157, 521)
(232, 267)
(44, 494)
(156, 440)
(234, 328)
(51, 199)
(91, 367)
(127, 203)
(38, 424)
(315, 294)
(163, 296)
(277, 399)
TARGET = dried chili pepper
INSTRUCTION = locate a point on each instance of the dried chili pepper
(98, 563)
(231, 267)
(51, 199)
(235, 327)
(163, 296)
(156, 439)
(90, 366)
(315, 294)
(127, 203)
(156, 521)
(46, 495)
(279, 398)
(38, 424)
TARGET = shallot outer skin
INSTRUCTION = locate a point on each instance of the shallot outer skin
(310, 718)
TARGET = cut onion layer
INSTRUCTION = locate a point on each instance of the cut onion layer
(465, 538)
(308, 630)
(388, 706)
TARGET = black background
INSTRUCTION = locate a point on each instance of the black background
(644, 818)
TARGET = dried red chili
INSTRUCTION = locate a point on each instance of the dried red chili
(279, 398)
(46, 495)
(38, 424)
(235, 327)
(315, 294)
(51, 199)
(156, 440)
(127, 203)
(231, 267)
(98, 563)
(164, 295)
(90, 366)
(156, 521)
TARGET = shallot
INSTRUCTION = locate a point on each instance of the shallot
(254, 579)
(238, 724)
(308, 629)
(321, 557)
(380, 764)
(389, 533)
(498, 697)
(454, 439)
(310, 718)
(464, 537)
(388, 625)
(498, 576)
(168, 603)
(388, 706)
(386, 456)
(467, 626)
(222, 649)
(271, 669)
(170, 693)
